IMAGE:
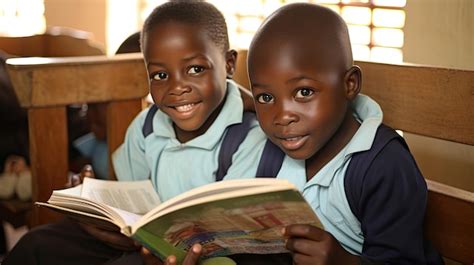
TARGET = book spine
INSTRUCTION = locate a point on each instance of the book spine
(158, 246)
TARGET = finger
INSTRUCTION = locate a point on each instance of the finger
(303, 246)
(304, 231)
(75, 180)
(149, 258)
(193, 255)
(68, 181)
(170, 260)
(301, 259)
(72, 180)
(87, 172)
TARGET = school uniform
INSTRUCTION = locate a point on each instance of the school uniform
(173, 168)
(377, 215)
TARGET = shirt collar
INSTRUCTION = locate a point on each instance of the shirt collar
(231, 113)
(369, 113)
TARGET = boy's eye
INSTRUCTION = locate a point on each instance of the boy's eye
(265, 98)
(195, 69)
(160, 76)
(304, 92)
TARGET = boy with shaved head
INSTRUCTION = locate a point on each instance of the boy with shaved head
(357, 173)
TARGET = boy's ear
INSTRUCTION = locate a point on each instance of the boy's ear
(230, 62)
(353, 82)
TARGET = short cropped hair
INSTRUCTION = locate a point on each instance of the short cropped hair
(193, 12)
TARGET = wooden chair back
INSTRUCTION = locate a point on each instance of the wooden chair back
(438, 103)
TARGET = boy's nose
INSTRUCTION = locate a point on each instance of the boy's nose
(179, 87)
(284, 115)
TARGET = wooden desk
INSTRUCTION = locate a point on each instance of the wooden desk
(46, 85)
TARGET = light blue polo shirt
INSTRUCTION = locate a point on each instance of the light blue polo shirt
(325, 191)
(176, 167)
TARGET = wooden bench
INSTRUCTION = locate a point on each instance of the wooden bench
(438, 103)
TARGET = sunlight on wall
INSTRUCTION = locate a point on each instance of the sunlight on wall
(123, 19)
(22, 17)
(375, 26)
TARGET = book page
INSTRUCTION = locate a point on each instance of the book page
(216, 190)
(74, 191)
(128, 217)
(133, 196)
(85, 217)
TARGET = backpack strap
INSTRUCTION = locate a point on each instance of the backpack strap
(147, 128)
(235, 135)
(270, 161)
(361, 162)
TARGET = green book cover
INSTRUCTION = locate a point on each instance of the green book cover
(243, 224)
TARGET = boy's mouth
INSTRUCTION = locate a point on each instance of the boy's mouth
(293, 142)
(184, 108)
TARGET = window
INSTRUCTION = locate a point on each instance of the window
(375, 26)
(21, 17)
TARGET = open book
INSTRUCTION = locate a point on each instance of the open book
(227, 217)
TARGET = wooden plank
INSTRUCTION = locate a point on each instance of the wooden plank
(48, 154)
(61, 81)
(119, 116)
(240, 73)
(449, 222)
(24, 46)
(56, 42)
(71, 45)
(428, 101)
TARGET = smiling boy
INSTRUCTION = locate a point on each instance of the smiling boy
(186, 51)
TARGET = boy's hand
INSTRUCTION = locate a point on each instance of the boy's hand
(113, 239)
(149, 258)
(311, 245)
(76, 179)
(192, 257)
